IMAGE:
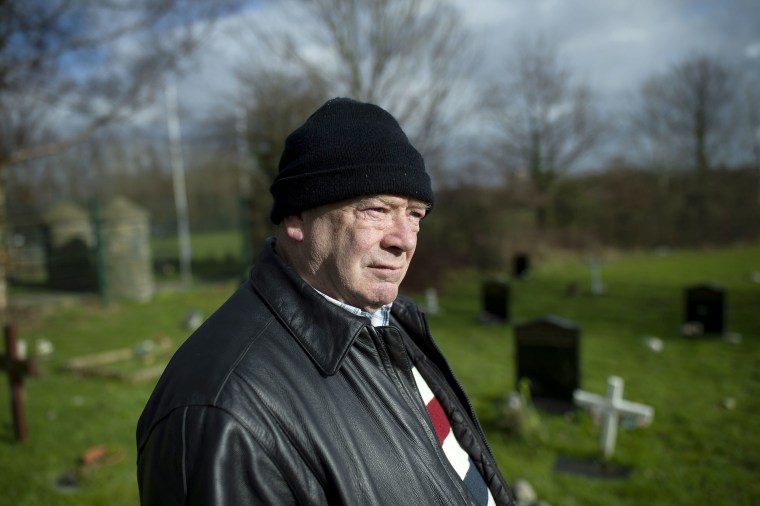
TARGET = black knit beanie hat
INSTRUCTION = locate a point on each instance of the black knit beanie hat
(347, 149)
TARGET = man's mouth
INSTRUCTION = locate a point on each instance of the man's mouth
(388, 273)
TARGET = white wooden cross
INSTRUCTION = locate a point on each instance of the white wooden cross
(610, 407)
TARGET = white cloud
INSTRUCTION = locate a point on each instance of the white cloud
(752, 50)
(613, 45)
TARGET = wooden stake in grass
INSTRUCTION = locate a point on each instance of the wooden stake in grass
(17, 368)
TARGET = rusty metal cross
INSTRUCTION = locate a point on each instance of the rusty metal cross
(17, 368)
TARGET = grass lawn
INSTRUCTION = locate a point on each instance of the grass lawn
(203, 245)
(697, 451)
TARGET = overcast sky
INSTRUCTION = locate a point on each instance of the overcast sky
(613, 45)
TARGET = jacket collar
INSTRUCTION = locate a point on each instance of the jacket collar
(324, 330)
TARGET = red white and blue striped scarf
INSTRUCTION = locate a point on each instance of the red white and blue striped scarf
(458, 458)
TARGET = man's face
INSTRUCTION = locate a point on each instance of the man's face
(357, 251)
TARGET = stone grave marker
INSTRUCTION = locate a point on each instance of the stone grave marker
(705, 305)
(609, 408)
(595, 273)
(521, 266)
(17, 368)
(431, 302)
(495, 301)
(192, 320)
(128, 256)
(547, 351)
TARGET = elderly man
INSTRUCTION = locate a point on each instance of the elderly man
(315, 383)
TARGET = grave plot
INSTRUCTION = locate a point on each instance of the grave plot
(144, 362)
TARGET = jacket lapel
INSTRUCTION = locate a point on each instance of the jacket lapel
(325, 331)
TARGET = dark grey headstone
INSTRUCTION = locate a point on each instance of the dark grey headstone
(521, 266)
(547, 352)
(496, 301)
(705, 304)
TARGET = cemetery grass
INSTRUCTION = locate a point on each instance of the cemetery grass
(222, 244)
(704, 444)
(701, 448)
(215, 256)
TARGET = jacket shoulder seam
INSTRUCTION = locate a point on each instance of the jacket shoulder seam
(264, 446)
(276, 420)
(240, 357)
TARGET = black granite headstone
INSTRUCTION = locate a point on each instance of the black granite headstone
(705, 304)
(548, 357)
(496, 301)
(521, 266)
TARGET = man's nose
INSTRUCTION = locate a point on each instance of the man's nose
(402, 234)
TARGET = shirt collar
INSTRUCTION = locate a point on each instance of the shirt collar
(380, 318)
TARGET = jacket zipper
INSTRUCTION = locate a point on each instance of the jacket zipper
(415, 398)
(473, 415)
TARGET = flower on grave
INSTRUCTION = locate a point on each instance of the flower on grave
(692, 329)
(518, 416)
(43, 348)
(144, 351)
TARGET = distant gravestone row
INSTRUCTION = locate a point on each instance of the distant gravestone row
(704, 303)
(496, 293)
(547, 352)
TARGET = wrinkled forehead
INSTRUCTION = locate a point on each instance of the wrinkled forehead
(390, 200)
(353, 204)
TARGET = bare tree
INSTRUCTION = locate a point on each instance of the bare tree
(750, 99)
(686, 112)
(69, 67)
(275, 102)
(687, 120)
(546, 122)
(405, 55)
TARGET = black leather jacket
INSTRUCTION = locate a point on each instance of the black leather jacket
(281, 397)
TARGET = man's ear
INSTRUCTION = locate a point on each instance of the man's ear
(294, 227)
